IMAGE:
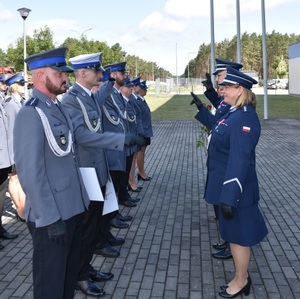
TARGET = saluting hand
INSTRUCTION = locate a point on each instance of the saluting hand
(208, 83)
(196, 100)
(227, 212)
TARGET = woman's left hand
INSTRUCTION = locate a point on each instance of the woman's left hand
(227, 211)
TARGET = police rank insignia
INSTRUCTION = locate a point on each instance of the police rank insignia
(63, 139)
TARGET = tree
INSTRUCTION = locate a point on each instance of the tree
(42, 40)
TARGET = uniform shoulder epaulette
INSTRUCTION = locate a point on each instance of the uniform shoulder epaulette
(74, 92)
(245, 109)
(32, 102)
(8, 99)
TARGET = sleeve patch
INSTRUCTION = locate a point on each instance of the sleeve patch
(246, 129)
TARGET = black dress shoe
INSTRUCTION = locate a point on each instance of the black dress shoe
(114, 241)
(100, 276)
(90, 288)
(7, 236)
(223, 254)
(127, 203)
(124, 218)
(220, 246)
(1, 246)
(139, 177)
(107, 251)
(134, 200)
(245, 290)
(115, 222)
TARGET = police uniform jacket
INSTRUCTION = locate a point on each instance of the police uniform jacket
(208, 119)
(213, 97)
(50, 181)
(231, 177)
(12, 107)
(146, 116)
(6, 152)
(132, 122)
(113, 122)
(90, 141)
(138, 112)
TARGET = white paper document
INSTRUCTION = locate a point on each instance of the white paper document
(91, 183)
(111, 201)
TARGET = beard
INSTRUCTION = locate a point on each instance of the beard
(55, 89)
(120, 82)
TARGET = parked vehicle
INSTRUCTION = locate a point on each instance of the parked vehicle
(278, 84)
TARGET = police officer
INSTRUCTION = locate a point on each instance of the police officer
(209, 120)
(132, 182)
(91, 143)
(115, 120)
(231, 179)
(6, 162)
(55, 199)
(134, 125)
(13, 104)
(3, 87)
(148, 131)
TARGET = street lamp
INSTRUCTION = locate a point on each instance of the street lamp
(81, 34)
(188, 81)
(24, 12)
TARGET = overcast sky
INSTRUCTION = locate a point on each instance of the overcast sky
(154, 30)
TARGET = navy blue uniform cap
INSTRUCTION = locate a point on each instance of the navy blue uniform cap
(18, 77)
(55, 59)
(89, 61)
(136, 81)
(127, 82)
(117, 67)
(143, 85)
(222, 64)
(236, 77)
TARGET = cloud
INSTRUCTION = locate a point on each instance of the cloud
(5, 14)
(156, 20)
(191, 9)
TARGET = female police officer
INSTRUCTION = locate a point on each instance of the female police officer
(232, 181)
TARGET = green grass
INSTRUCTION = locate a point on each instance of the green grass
(177, 107)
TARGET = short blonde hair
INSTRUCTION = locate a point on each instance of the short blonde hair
(13, 88)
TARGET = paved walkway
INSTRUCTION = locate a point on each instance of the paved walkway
(167, 253)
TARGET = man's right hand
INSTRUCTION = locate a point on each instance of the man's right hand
(57, 232)
(196, 100)
(131, 139)
(208, 83)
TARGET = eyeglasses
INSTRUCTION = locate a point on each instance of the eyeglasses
(21, 83)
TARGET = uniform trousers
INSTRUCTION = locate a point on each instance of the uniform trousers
(3, 190)
(55, 267)
(125, 178)
(95, 231)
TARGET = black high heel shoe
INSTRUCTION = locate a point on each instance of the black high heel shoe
(245, 290)
(225, 286)
(138, 189)
(19, 218)
(139, 177)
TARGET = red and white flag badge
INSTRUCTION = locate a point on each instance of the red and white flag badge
(246, 129)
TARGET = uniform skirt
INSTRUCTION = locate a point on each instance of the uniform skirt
(247, 228)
